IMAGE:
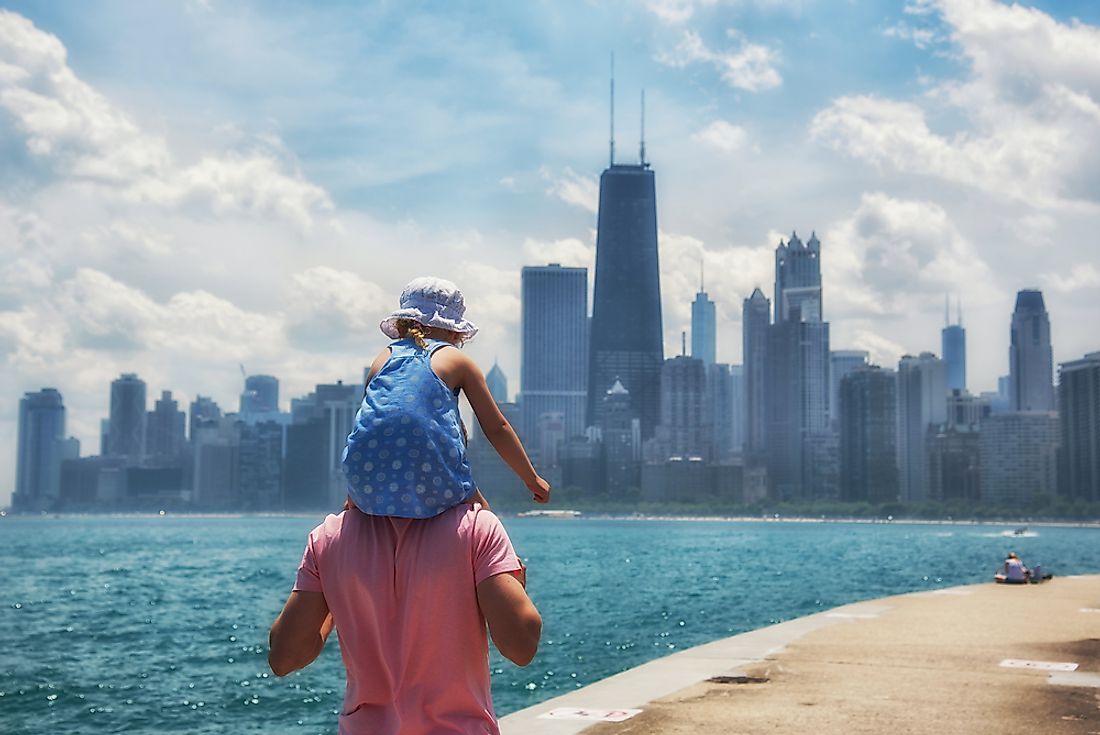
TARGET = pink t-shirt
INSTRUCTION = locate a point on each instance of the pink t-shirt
(403, 596)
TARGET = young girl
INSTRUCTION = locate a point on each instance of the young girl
(406, 456)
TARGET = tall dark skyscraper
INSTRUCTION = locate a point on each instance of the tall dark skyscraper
(627, 333)
(1079, 409)
(554, 347)
(126, 434)
(755, 320)
(1030, 360)
(38, 454)
(798, 279)
(868, 435)
(953, 342)
(796, 377)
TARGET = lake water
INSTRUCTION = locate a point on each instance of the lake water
(160, 624)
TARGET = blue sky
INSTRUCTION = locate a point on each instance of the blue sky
(191, 185)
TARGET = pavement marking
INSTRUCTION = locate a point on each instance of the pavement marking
(1015, 663)
(950, 591)
(852, 616)
(1075, 679)
(590, 714)
(1090, 609)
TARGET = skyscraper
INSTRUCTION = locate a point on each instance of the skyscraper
(554, 347)
(1030, 361)
(798, 279)
(1079, 408)
(841, 363)
(626, 342)
(621, 437)
(953, 342)
(497, 383)
(684, 429)
(1018, 451)
(704, 337)
(165, 432)
(798, 442)
(126, 434)
(755, 319)
(203, 409)
(39, 451)
(261, 394)
(922, 404)
(868, 435)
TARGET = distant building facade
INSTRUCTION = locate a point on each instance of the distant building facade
(39, 450)
(261, 395)
(953, 345)
(165, 433)
(755, 320)
(684, 429)
(922, 405)
(627, 340)
(842, 363)
(1018, 456)
(1030, 359)
(704, 329)
(867, 422)
(126, 431)
(1079, 406)
(554, 347)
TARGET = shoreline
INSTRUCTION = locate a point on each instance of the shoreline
(868, 662)
(593, 516)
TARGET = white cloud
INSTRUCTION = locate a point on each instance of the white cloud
(76, 133)
(881, 350)
(1083, 275)
(572, 188)
(892, 257)
(748, 66)
(568, 251)
(722, 136)
(1030, 107)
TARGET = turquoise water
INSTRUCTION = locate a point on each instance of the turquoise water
(160, 624)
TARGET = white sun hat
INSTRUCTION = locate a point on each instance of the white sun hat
(433, 302)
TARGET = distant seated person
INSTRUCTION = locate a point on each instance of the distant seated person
(1014, 571)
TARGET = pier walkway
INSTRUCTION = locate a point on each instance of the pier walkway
(983, 659)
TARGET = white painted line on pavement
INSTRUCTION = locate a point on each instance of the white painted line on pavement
(1075, 679)
(1015, 663)
(591, 714)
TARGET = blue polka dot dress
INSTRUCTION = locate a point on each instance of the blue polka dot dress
(405, 457)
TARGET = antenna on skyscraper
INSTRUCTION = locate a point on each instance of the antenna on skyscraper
(683, 344)
(702, 283)
(612, 139)
(641, 152)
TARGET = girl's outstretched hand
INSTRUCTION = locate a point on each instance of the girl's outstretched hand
(540, 490)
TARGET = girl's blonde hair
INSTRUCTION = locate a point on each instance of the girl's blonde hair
(410, 328)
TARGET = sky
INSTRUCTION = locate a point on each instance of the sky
(190, 187)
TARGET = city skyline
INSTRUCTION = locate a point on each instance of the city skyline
(178, 218)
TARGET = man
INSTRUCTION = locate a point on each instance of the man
(410, 600)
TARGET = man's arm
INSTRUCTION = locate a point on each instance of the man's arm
(299, 633)
(514, 624)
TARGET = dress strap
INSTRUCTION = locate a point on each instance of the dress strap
(435, 345)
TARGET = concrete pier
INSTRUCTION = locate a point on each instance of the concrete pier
(979, 659)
